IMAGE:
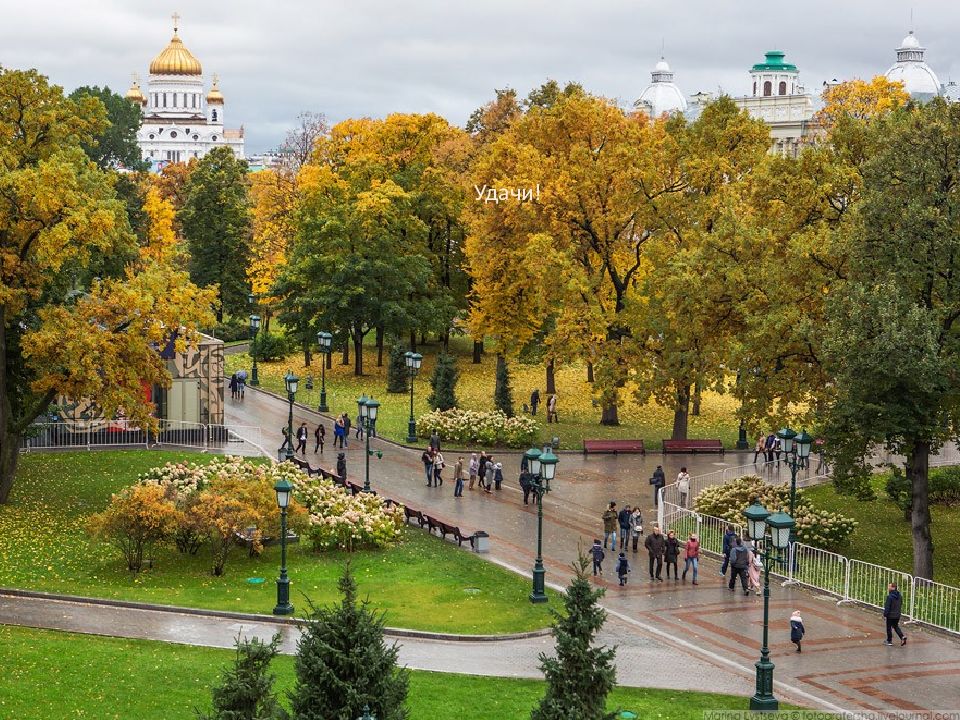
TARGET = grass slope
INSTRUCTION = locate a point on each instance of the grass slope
(59, 675)
(423, 583)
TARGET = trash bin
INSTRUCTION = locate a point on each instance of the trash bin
(481, 542)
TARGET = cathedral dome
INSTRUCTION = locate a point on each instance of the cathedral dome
(135, 94)
(912, 70)
(175, 59)
(662, 95)
(215, 96)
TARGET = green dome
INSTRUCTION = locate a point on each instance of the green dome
(774, 63)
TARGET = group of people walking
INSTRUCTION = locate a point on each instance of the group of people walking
(238, 384)
(341, 434)
(483, 473)
(551, 405)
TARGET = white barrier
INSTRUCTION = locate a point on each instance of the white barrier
(818, 569)
(935, 604)
(84, 435)
(182, 434)
(867, 584)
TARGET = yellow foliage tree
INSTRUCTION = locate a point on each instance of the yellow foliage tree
(273, 197)
(136, 519)
(161, 240)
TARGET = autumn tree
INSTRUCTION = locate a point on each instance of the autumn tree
(66, 331)
(116, 145)
(301, 140)
(216, 224)
(273, 200)
(160, 240)
(136, 519)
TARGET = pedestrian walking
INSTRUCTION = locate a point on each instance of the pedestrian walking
(739, 563)
(623, 520)
(636, 526)
(438, 466)
(302, 435)
(597, 554)
(319, 435)
(458, 478)
(489, 473)
(342, 466)
(338, 432)
(683, 486)
(892, 609)
(473, 468)
(241, 382)
(427, 460)
(691, 557)
(797, 631)
(526, 484)
(671, 552)
(658, 480)
(482, 467)
(497, 475)
(655, 545)
(434, 441)
(346, 430)
(610, 522)
(234, 386)
(728, 538)
(552, 409)
(534, 401)
(769, 445)
(359, 432)
(623, 567)
(758, 449)
(753, 570)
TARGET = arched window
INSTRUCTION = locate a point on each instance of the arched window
(213, 116)
(754, 88)
(767, 88)
(783, 88)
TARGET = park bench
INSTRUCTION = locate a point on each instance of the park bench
(614, 446)
(246, 539)
(693, 446)
(447, 529)
(302, 464)
(409, 512)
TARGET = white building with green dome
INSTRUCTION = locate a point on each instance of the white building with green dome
(778, 98)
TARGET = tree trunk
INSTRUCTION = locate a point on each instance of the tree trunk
(477, 351)
(681, 413)
(358, 353)
(380, 346)
(345, 360)
(610, 415)
(413, 341)
(551, 380)
(446, 340)
(329, 360)
(307, 354)
(423, 338)
(589, 372)
(9, 457)
(695, 411)
(918, 459)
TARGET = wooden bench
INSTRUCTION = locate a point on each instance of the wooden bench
(693, 446)
(446, 529)
(409, 512)
(614, 446)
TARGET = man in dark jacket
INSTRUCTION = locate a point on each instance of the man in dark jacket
(728, 537)
(892, 609)
(534, 401)
(658, 480)
(526, 485)
(623, 519)
(655, 545)
(739, 563)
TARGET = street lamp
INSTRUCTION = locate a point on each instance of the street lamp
(367, 412)
(325, 341)
(254, 329)
(284, 489)
(759, 520)
(413, 361)
(543, 467)
(291, 381)
(796, 450)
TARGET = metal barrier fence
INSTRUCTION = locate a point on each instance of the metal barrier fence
(118, 433)
(935, 604)
(182, 434)
(867, 584)
(818, 569)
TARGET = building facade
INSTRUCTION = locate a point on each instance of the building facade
(180, 120)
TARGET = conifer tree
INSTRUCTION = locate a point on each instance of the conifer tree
(343, 665)
(581, 675)
(444, 383)
(397, 373)
(502, 394)
(246, 690)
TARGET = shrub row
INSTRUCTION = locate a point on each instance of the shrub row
(484, 428)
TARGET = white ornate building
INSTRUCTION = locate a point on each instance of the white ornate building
(180, 121)
(912, 70)
(661, 95)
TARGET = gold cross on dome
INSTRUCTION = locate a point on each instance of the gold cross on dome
(176, 20)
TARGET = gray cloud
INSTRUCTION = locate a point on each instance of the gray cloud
(372, 57)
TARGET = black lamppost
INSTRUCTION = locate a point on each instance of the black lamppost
(254, 329)
(291, 381)
(325, 341)
(413, 361)
(543, 467)
(742, 443)
(780, 525)
(368, 423)
(796, 449)
(284, 489)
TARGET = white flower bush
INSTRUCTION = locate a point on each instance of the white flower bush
(338, 519)
(484, 428)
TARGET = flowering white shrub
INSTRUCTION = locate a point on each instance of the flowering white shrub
(338, 519)
(485, 428)
(180, 480)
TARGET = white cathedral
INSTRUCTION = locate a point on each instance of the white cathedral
(180, 121)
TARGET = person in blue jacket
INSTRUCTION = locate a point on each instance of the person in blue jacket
(729, 538)
(796, 629)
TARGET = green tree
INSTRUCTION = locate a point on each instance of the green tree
(343, 665)
(397, 374)
(581, 675)
(246, 690)
(444, 383)
(116, 145)
(502, 394)
(215, 219)
(893, 337)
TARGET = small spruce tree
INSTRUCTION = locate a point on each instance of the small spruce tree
(580, 676)
(342, 664)
(502, 395)
(444, 383)
(397, 373)
(246, 691)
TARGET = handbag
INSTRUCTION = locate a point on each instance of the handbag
(757, 563)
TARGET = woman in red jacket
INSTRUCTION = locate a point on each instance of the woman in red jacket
(692, 557)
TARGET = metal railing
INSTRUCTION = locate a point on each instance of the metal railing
(935, 604)
(818, 569)
(867, 584)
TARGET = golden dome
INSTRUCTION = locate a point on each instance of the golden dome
(215, 96)
(134, 94)
(175, 60)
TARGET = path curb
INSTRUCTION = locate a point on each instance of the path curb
(254, 617)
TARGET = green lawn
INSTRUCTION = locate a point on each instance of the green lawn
(423, 583)
(883, 537)
(59, 675)
(579, 417)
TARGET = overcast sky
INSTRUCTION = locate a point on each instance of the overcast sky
(354, 58)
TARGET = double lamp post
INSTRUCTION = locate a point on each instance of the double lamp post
(796, 449)
(413, 361)
(367, 414)
(542, 466)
